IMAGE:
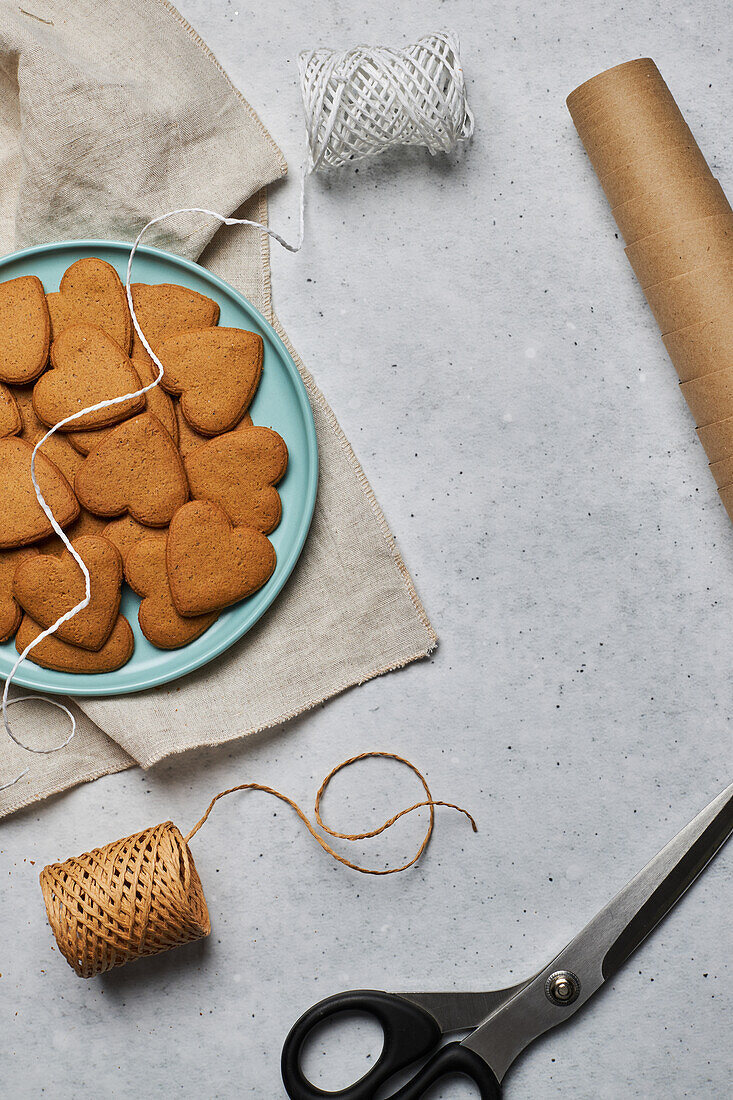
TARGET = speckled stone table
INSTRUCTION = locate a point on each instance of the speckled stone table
(478, 331)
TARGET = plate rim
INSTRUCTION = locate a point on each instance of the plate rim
(296, 548)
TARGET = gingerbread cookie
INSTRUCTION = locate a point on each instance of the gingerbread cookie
(136, 469)
(33, 428)
(126, 533)
(216, 372)
(57, 447)
(157, 402)
(58, 655)
(10, 613)
(46, 587)
(146, 574)
(85, 524)
(24, 330)
(91, 292)
(211, 563)
(188, 438)
(84, 442)
(239, 471)
(11, 422)
(22, 520)
(63, 455)
(165, 309)
(88, 368)
(59, 451)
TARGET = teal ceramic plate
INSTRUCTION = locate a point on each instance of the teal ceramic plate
(281, 403)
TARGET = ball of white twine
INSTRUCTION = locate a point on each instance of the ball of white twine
(369, 99)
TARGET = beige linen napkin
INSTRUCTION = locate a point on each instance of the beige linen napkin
(111, 113)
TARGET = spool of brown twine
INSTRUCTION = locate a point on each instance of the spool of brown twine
(142, 895)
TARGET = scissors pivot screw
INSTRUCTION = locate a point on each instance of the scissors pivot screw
(562, 987)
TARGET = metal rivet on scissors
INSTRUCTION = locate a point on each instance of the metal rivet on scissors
(505, 1021)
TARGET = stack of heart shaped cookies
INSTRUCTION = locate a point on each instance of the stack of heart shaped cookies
(173, 491)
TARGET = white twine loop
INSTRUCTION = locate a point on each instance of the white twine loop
(369, 99)
(54, 748)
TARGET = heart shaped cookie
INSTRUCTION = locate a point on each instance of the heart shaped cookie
(211, 563)
(11, 422)
(239, 471)
(136, 469)
(165, 309)
(84, 524)
(126, 533)
(146, 574)
(22, 520)
(88, 367)
(31, 426)
(157, 402)
(91, 291)
(188, 438)
(63, 455)
(216, 372)
(57, 448)
(52, 653)
(85, 441)
(24, 330)
(10, 613)
(47, 587)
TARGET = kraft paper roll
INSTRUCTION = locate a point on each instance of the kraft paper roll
(641, 116)
(710, 397)
(641, 75)
(682, 248)
(726, 495)
(607, 153)
(722, 471)
(679, 302)
(625, 114)
(717, 439)
(678, 229)
(702, 348)
(684, 199)
(645, 175)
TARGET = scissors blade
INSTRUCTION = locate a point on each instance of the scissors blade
(461, 1011)
(608, 940)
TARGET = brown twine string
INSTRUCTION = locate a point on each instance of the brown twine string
(142, 895)
(428, 801)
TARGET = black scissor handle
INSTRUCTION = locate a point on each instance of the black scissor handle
(453, 1060)
(409, 1033)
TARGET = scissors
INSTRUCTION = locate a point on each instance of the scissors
(505, 1021)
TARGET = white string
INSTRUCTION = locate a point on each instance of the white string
(52, 702)
(360, 103)
(6, 702)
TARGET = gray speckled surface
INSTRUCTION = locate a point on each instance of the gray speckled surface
(480, 335)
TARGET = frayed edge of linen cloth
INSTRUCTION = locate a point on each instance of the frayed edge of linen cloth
(315, 395)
